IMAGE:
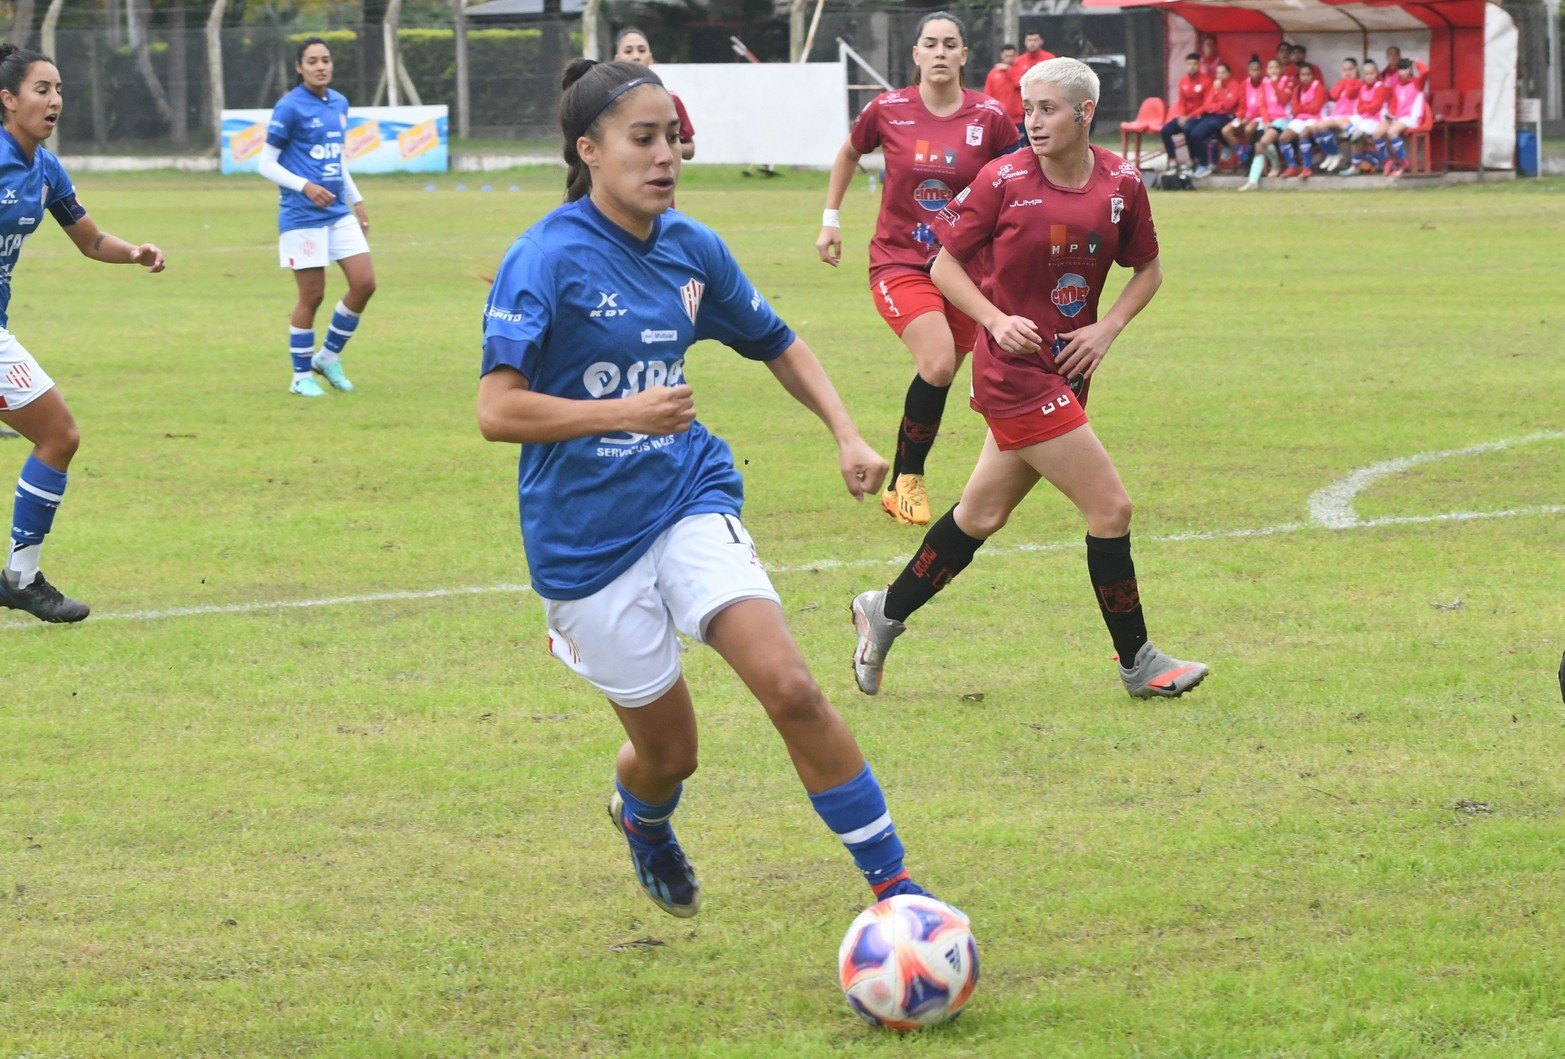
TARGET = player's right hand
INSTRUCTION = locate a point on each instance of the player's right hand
(661, 410)
(1016, 334)
(319, 195)
(829, 245)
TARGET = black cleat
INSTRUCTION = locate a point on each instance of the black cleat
(42, 600)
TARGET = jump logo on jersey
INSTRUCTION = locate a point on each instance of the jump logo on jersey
(1069, 294)
(690, 297)
(608, 305)
(932, 195)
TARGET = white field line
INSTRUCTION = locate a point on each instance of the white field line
(1332, 506)
(259, 606)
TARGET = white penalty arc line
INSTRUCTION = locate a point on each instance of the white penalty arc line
(1332, 506)
(260, 606)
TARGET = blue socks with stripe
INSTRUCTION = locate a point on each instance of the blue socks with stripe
(39, 491)
(301, 347)
(344, 321)
(646, 823)
(856, 813)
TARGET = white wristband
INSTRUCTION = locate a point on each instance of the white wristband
(831, 219)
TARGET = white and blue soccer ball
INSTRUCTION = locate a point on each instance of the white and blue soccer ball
(908, 962)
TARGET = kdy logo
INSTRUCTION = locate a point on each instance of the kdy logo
(608, 306)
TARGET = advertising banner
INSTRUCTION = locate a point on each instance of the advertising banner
(377, 140)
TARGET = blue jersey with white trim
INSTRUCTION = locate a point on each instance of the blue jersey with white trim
(309, 131)
(27, 189)
(587, 311)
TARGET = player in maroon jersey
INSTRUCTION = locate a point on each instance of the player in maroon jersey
(631, 46)
(935, 136)
(1051, 225)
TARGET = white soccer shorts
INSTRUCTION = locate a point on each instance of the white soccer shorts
(1301, 126)
(1359, 123)
(22, 380)
(318, 247)
(622, 638)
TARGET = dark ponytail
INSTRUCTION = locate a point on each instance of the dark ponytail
(298, 56)
(591, 90)
(14, 64)
(961, 32)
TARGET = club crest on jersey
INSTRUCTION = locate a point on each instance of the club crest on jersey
(932, 195)
(690, 297)
(1069, 294)
(1116, 207)
(975, 135)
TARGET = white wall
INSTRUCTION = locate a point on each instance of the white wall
(763, 113)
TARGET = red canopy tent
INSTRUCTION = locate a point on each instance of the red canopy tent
(1469, 46)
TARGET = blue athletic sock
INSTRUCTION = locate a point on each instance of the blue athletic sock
(301, 346)
(856, 813)
(646, 823)
(1328, 141)
(1290, 156)
(39, 491)
(1380, 152)
(343, 323)
(1304, 153)
(1399, 148)
(1245, 151)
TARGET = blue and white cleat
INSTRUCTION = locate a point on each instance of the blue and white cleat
(333, 372)
(305, 386)
(664, 873)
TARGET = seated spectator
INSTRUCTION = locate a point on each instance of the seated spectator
(1223, 99)
(1407, 110)
(1369, 115)
(1299, 55)
(1393, 69)
(1276, 98)
(1250, 119)
(1189, 101)
(1338, 118)
(1309, 98)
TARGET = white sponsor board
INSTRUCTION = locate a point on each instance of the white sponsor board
(763, 113)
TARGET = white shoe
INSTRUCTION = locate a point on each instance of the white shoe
(1249, 185)
(1155, 674)
(876, 632)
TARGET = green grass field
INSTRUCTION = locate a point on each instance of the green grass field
(235, 824)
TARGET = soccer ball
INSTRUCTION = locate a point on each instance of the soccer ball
(908, 962)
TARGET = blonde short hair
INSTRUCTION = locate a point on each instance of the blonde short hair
(1072, 75)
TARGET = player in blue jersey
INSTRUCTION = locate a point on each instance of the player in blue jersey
(629, 506)
(304, 157)
(31, 182)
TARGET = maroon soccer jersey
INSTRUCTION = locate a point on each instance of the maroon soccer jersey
(1043, 252)
(928, 160)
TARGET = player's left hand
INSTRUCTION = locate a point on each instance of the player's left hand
(1084, 349)
(364, 217)
(148, 256)
(863, 469)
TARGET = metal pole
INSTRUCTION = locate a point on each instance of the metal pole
(464, 92)
(589, 30)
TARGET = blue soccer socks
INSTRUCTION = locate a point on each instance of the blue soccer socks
(39, 491)
(344, 321)
(647, 824)
(856, 813)
(301, 346)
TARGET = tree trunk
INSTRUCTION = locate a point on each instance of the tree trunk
(51, 19)
(22, 23)
(214, 66)
(178, 78)
(136, 19)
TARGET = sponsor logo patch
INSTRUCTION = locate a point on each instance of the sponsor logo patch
(1069, 294)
